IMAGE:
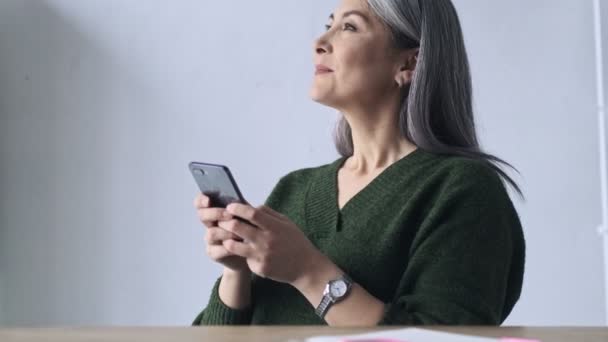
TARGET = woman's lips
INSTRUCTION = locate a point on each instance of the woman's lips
(322, 69)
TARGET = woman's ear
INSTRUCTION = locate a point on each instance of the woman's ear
(405, 74)
(404, 77)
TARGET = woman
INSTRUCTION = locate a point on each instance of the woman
(412, 225)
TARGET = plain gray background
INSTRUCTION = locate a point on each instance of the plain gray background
(103, 104)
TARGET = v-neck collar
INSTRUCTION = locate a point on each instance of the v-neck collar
(323, 214)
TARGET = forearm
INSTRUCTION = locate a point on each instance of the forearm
(235, 289)
(359, 308)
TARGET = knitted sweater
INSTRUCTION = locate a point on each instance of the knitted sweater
(435, 237)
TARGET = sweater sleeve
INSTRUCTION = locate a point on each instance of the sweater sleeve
(466, 262)
(217, 312)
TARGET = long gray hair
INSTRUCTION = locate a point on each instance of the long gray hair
(436, 110)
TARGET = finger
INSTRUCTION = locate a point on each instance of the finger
(274, 218)
(213, 214)
(241, 229)
(272, 212)
(217, 252)
(201, 201)
(239, 248)
(215, 236)
(256, 217)
(198, 200)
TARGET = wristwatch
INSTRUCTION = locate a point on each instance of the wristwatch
(335, 291)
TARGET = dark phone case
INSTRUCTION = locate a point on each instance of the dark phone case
(217, 183)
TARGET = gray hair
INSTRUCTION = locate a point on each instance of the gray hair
(436, 109)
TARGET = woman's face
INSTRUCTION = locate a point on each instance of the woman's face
(357, 48)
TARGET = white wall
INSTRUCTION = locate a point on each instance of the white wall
(103, 104)
(3, 317)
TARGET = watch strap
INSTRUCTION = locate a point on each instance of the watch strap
(323, 306)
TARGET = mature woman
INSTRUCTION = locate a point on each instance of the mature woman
(412, 225)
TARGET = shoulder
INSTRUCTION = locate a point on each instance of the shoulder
(457, 184)
(455, 173)
(469, 195)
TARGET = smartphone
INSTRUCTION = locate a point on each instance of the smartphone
(216, 182)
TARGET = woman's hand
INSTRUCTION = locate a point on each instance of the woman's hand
(273, 245)
(215, 236)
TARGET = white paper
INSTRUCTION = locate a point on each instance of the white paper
(407, 334)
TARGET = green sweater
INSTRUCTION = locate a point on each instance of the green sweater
(434, 237)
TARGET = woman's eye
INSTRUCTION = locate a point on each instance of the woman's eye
(345, 27)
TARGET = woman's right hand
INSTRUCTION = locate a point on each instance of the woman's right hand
(215, 235)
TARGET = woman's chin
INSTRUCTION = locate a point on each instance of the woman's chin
(320, 97)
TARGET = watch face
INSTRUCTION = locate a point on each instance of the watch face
(337, 288)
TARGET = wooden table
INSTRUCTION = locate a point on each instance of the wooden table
(276, 333)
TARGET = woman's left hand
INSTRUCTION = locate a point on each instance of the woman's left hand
(274, 246)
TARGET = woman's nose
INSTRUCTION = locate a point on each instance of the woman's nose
(322, 46)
